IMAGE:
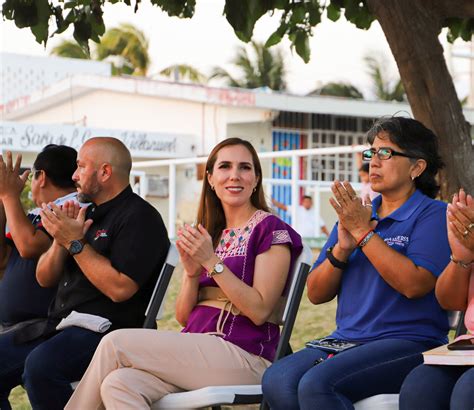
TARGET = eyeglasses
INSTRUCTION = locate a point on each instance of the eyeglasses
(33, 172)
(383, 153)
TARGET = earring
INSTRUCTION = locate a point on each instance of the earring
(212, 187)
(254, 189)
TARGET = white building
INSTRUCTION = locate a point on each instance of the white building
(158, 120)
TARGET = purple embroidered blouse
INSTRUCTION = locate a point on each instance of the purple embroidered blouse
(238, 249)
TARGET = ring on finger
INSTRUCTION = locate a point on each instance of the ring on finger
(466, 232)
(470, 226)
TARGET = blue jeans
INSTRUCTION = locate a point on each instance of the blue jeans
(438, 387)
(46, 367)
(297, 382)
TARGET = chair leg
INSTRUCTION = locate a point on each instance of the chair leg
(264, 405)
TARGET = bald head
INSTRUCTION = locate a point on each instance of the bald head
(111, 150)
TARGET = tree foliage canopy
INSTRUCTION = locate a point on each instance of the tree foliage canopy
(49, 17)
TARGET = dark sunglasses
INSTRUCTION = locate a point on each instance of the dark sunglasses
(383, 153)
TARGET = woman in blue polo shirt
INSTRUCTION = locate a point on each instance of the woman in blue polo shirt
(381, 261)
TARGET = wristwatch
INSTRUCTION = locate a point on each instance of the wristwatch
(216, 270)
(76, 246)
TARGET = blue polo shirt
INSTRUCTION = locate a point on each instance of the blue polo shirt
(368, 307)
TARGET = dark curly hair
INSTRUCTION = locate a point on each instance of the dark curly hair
(417, 140)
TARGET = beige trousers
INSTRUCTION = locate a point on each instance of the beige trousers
(132, 368)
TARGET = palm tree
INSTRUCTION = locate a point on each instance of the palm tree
(338, 90)
(126, 47)
(265, 69)
(70, 49)
(184, 71)
(384, 88)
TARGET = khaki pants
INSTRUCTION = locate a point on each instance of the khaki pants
(132, 368)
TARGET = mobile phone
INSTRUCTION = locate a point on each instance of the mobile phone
(462, 344)
(331, 345)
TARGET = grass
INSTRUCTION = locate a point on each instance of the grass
(311, 322)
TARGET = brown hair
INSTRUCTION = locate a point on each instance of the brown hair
(210, 213)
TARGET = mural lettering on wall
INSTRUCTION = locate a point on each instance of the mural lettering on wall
(33, 137)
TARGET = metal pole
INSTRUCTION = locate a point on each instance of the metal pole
(172, 202)
(295, 167)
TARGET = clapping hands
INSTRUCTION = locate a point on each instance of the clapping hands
(11, 182)
(195, 248)
(460, 220)
(354, 215)
(65, 224)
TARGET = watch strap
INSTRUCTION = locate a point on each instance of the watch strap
(217, 269)
(334, 261)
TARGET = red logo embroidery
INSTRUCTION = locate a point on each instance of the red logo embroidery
(101, 233)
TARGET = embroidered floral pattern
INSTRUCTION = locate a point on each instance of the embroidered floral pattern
(282, 236)
(234, 241)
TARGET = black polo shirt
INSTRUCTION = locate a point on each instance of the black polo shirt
(129, 232)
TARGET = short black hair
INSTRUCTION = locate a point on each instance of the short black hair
(417, 140)
(307, 196)
(59, 163)
(365, 167)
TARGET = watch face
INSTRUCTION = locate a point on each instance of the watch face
(219, 268)
(75, 247)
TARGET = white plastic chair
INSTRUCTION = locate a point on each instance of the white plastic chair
(215, 396)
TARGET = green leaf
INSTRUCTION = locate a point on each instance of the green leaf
(467, 29)
(314, 14)
(40, 30)
(333, 12)
(302, 45)
(274, 38)
(363, 20)
(177, 8)
(351, 9)
(61, 24)
(455, 26)
(297, 14)
(243, 14)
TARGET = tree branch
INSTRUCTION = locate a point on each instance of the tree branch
(455, 8)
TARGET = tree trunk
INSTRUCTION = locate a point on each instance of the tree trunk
(411, 28)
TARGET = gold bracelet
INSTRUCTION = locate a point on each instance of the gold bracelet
(462, 264)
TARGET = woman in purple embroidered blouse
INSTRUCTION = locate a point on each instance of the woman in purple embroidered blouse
(236, 262)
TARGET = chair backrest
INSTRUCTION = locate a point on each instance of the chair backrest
(456, 322)
(297, 282)
(156, 304)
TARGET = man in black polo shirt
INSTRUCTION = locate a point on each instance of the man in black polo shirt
(105, 263)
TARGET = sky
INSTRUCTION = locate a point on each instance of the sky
(207, 40)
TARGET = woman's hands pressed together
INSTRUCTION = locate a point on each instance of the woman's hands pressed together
(460, 218)
(354, 216)
(195, 249)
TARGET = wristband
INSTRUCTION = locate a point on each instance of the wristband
(334, 261)
(366, 238)
(462, 264)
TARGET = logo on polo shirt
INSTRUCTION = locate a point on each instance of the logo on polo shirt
(400, 240)
(101, 233)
